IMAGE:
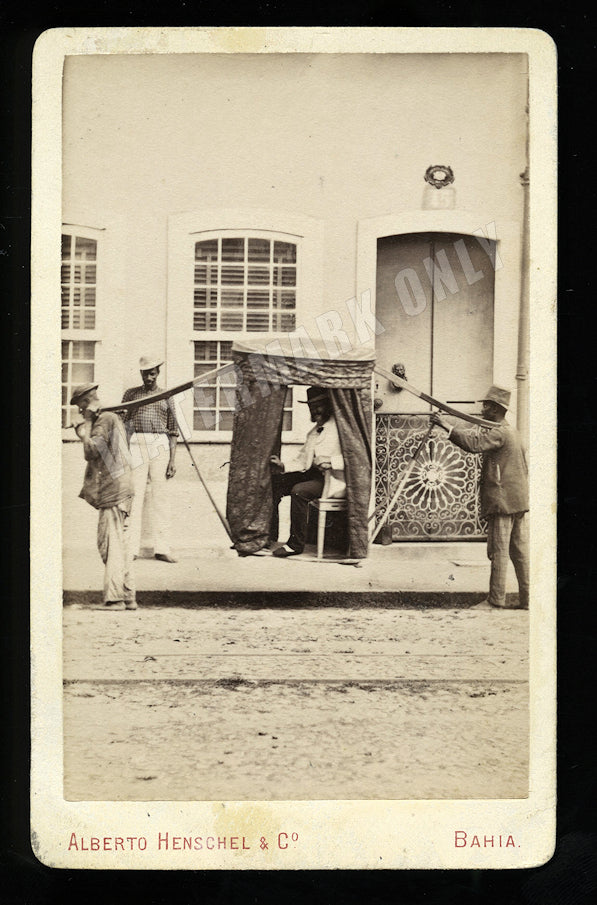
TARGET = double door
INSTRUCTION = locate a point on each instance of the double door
(435, 302)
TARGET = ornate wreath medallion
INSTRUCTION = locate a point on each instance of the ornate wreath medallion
(439, 176)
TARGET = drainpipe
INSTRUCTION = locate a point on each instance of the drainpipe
(522, 366)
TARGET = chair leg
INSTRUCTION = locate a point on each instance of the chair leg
(320, 533)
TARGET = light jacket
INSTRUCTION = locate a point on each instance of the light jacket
(321, 447)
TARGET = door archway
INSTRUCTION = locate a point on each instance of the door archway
(435, 301)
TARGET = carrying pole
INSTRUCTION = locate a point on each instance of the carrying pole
(403, 481)
(167, 394)
(431, 400)
(133, 404)
(199, 475)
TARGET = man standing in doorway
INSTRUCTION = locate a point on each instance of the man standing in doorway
(152, 431)
(108, 487)
(320, 456)
(504, 493)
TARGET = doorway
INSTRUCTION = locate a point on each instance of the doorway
(435, 301)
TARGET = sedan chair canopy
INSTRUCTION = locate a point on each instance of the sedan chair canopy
(265, 368)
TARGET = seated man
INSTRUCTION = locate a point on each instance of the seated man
(304, 478)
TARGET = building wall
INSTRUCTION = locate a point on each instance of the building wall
(343, 139)
(338, 138)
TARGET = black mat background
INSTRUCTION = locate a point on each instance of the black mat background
(570, 878)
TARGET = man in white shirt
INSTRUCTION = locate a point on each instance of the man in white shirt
(303, 479)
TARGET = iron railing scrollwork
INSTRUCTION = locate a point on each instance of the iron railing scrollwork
(440, 500)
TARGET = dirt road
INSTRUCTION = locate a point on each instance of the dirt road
(200, 704)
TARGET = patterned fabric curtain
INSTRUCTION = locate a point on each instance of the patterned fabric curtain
(261, 389)
(353, 418)
(277, 362)
(255, 437)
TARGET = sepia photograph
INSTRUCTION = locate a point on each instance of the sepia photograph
(302, 586)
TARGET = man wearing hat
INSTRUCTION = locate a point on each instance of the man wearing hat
(152, 431)
(504, 493)
(108, 487)
(304, 477)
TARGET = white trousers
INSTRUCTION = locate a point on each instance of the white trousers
(150, 454)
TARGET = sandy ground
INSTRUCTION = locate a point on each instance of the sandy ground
(201, 704)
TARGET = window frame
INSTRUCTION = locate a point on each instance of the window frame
(222, 309)
(185, 230)
(221, 335)
(85, 232)
(82, 334)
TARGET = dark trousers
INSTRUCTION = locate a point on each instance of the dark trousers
(302, 486)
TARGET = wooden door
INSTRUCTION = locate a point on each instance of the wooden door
(435, 296)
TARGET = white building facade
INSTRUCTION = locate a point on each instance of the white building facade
(214, 197)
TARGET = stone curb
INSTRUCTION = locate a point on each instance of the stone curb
(294, 599)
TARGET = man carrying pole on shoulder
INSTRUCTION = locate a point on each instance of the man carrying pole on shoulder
(504, 493)
(108, 487)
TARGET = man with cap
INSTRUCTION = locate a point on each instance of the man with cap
(304, 477)
(152, 430)
(504, 493)
(108, 487)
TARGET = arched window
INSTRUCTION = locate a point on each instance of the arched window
(241, 284)
(234, 274)
(245, 284)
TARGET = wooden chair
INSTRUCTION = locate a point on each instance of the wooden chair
(324, 505)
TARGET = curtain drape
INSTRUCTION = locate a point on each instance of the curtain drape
(262, 381)
(353, 419)
(256, 436)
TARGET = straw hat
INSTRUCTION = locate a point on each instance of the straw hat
(149, 361)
